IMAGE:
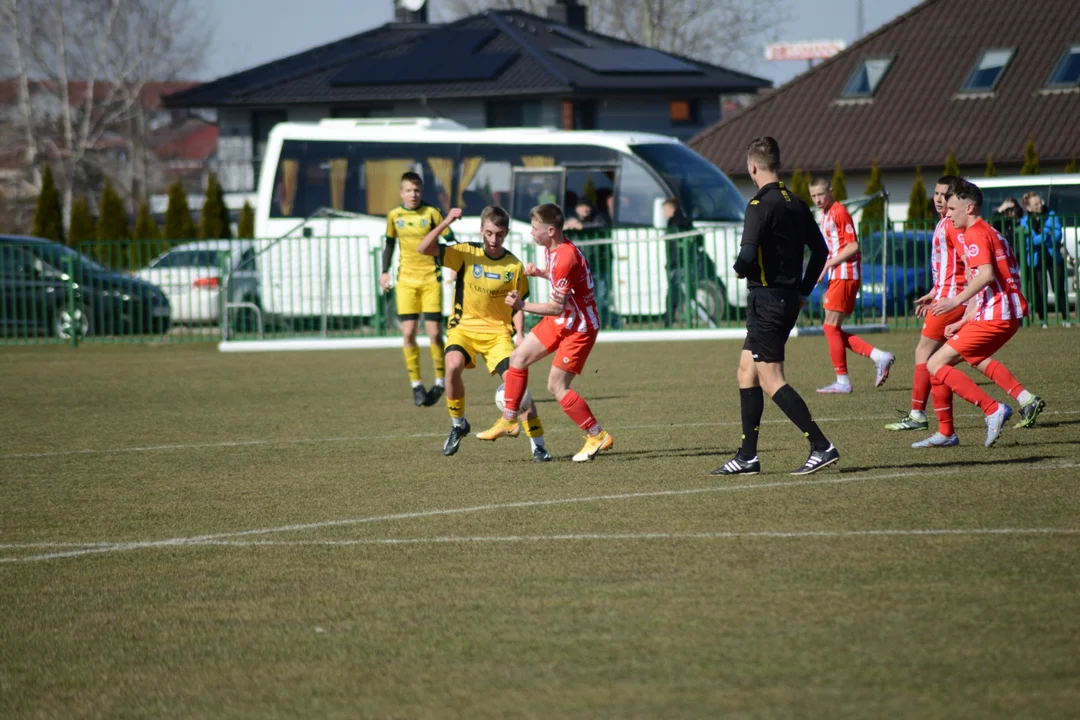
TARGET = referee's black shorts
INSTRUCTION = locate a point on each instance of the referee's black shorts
(771, 313)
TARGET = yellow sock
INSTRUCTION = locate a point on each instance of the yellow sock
(534, 428)
(412, 363)
(439, 361)
(456, 406)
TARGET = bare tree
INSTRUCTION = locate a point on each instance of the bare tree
(15, 28)
(717, 31)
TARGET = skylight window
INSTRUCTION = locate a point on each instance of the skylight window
(1067, 72)
(868, 76)
(988, 71)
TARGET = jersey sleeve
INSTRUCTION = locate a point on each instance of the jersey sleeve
(453, 258)
(845, 227)
(753, 226)
(436, 218)
(561, 272)
(391, 227)
(522, 282)
(978, 251)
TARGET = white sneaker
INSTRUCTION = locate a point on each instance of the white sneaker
(995, 423)
(836, 388)
(937, 440)
(883, 366)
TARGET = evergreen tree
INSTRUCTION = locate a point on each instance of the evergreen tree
(112, 221)
(214, 221)
(951, 166)
(991, 168)
(874, 212)
(1070, 167)
(82, 223)
(146, 227)
(919, 206)
(1031, 159)
(839, 187)
(48, 215)
(178, 225)
(246, 227)
(800, 185)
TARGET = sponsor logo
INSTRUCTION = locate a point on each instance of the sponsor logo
(850, 229)
(562, 284)
(477, 271)
(972, 250)
(492, 276)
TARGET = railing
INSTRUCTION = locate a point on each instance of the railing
(139, 291)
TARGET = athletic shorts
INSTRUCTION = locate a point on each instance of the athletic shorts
(571, 349)
(980, 339)
(770, 316)
(840, 295)
(494, 347)
(415, 299)
(934, 325)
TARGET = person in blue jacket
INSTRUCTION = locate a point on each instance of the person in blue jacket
(1045, 257)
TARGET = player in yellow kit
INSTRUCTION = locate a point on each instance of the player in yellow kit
(419, 283)
(482, 322)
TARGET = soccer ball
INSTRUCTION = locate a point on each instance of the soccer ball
(526, 399)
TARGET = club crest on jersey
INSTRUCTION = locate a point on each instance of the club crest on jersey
(508, 275)
(477, 271)
(562, 284)
(423, 222)
(401, 223)
(972, 250)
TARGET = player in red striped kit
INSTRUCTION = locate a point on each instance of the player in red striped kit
(569, 329)
(995, 309)
(844, 282)
(947, 267)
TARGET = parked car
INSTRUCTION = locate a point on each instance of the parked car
(894, 273)
(39, 278)
(195, 275)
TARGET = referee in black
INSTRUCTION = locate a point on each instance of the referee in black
(778, 229)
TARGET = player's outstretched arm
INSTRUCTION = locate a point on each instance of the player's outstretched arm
(532, 271)
(984, 275)
(751, 238)
(553, 308)
(387, 261)
(430, 244)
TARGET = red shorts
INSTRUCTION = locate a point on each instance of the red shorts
(571, 348)
(980, 339)
(840, 296)
(934, 326)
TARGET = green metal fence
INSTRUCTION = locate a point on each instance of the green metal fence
(207, 290)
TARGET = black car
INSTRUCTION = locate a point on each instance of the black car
(49, 289)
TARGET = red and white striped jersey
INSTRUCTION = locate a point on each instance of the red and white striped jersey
(839, 230)
(571, 279)
(1002, 299)
(947, 260)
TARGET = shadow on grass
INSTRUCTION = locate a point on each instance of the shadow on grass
(1031, 460)
(549, 399)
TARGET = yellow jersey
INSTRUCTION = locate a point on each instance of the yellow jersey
(481, 288)
(409, 228)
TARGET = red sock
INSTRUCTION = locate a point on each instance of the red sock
(966, 388)
(942, 404)
(578, 410)
(514, 384)
(920, 388)
(1003, 378)
(857, 344)
(837, 351)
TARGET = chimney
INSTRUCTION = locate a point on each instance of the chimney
(569, 13)
(410, 11)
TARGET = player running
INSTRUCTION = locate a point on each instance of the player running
(568, 330)
(482, 323)
(419, 283)
(843, 270)
(987, 324)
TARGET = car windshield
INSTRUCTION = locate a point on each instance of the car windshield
(191, 258)
(54, 254)
(704, 192)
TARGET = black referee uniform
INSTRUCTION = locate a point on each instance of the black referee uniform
(778, 228)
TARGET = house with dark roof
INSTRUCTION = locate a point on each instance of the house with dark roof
(979, 78)
(500, 68)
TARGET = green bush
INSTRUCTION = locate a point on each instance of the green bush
(112, 221)
(48, 215)
(1070, 167)
(214, 221)
(1031, 159)
(178, 225)
(839, 187)
(800, 184)
(245, 228)
(951, 166)
(146, 227)
(82, 223)
(874, 212)
(991, 168)
(919, 204)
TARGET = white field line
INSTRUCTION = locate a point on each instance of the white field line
(364, 438)
(202, 539)
(723, 535)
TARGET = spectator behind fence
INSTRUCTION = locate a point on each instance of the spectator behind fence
(587, 224)
(682, 257)
(1006, 217)
(1044, 238)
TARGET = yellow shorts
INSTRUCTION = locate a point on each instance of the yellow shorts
(494, 347)
(415, 299)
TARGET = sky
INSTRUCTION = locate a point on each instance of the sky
(252, 32)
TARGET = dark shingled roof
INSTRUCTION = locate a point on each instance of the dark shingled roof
(917, 113)
(522, 50)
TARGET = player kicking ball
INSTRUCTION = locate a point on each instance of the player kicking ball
(482, 323)
(568, 331)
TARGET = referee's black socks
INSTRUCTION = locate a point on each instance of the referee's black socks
(752, 402)
(792, 404)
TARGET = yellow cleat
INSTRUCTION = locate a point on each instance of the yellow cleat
(501, 427)
(594, 445)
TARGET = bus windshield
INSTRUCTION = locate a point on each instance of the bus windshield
(704, 192)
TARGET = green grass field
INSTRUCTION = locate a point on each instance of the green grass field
(185, 533)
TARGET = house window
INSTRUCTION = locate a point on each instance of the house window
(684, 112)
(513, 114)
(868, 76)
(1067, 72)
(987, 72)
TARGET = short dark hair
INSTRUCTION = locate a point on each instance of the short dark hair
(947, 180)
(821, 182)
(764, 152)
(496, 216)
(413, 178)
(672, 202)
(548, 214)
(968, 191)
